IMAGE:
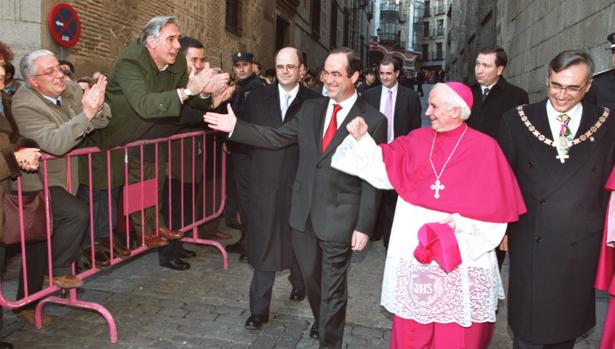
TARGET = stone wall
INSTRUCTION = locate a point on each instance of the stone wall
(20, 26)
(534, 31)
(107, 26)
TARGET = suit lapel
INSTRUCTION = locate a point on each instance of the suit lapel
(272, 97)
(319, 123)
(357, 109)
(579, 154)
(545, 156)
(295, 105)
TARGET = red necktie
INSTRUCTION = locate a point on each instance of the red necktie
(331, 128)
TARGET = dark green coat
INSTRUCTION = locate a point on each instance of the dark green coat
(139, 95)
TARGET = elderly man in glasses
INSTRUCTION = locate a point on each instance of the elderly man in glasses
(57, 114)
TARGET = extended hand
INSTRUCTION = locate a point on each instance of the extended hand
(357, 127)
(221, 122)
(94, 97)
(28, 158)
(359, 241)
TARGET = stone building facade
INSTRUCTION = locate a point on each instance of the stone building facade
(532, 32)
(259, 26)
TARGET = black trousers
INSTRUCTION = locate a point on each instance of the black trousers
(262, 285)
(521, 344)
(171, 251)
(324, 265)
(241, 168)
(384, 222)
(70, 223)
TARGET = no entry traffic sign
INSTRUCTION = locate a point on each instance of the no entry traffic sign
(64, 25)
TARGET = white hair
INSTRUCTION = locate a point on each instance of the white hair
(453, 100)
(26, 64)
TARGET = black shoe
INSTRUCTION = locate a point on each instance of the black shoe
(297, 295)
(176, 264)
(6, 345)
(314, 331)
(186, 253)
(243, 258)
(235, 248)
(255, 322)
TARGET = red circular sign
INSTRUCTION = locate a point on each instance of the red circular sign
(64, 25)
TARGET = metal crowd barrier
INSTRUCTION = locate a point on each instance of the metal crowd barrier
(203, 147)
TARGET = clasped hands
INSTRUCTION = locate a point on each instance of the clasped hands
(28, 158)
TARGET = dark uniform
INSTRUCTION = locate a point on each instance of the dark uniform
(602, 91)
(237, 198)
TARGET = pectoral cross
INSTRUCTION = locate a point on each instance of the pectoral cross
(562, 157)
(437, 186)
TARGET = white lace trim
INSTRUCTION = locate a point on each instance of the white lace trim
(426, 293)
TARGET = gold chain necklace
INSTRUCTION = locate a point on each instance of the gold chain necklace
(548, 141)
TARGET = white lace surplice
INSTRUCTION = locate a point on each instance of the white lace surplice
(424, 292)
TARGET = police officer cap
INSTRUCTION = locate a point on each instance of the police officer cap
(611, 39)
(242, 56)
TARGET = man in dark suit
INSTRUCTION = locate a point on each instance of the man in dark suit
(493, 96)
(402, 107)
(331, 213)
(270, 179)
(562, 152)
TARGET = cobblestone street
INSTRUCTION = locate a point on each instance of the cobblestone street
(206, 307)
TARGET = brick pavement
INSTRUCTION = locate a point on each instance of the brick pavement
(206, 307)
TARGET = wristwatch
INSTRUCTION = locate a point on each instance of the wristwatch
(187, 92)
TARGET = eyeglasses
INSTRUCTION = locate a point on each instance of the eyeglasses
(289, 67)
(573, 90)
(336, 75)
(51, 71)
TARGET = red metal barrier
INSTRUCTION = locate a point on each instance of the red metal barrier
(205, 149)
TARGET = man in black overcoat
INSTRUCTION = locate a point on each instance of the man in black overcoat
(493, 96)
(561, 151)
(402, 107)
(270, 179)
(331, 213)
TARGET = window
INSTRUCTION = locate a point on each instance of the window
(426, 29)
(439, 52)
(440, 27)
(232, 16)
(315, 17)
(427, 5)
(425, 52)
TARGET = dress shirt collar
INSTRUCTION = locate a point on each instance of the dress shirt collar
(347, 103)
(393, 89)
(52, 100)
(293, 92)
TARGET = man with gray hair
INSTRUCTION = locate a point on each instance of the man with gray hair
(147, 87)
(441, 278)
(57, 115)
(562, 151)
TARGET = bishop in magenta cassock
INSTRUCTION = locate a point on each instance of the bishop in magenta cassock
(605, 279)
(452, 177)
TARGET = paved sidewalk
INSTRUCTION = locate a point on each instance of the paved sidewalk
(206, 307)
